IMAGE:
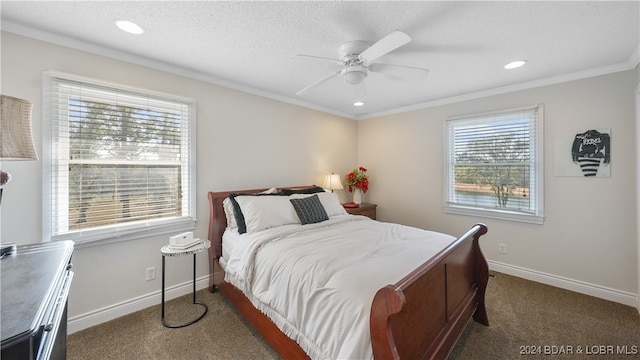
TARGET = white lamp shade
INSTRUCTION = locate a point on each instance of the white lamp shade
(332, 182)
(15, 129)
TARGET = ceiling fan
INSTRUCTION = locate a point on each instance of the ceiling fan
(357, 60)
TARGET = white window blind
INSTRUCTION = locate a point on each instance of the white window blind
(120, 161)
(494, 164)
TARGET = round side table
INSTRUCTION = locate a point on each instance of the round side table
(167, 250)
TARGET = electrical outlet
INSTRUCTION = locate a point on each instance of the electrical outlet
(150, 273)
(502, 248)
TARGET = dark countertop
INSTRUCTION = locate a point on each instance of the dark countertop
(29, 279)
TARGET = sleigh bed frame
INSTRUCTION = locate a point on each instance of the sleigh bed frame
(420, 317)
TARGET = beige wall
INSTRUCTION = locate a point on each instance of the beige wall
(588, 240)
(243, 141)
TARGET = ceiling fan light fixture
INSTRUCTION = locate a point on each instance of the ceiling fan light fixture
(129, 26)
(515, 64)
(356, 58)
(354, 75)
(354, 78)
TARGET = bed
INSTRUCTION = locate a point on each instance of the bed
(414, 308)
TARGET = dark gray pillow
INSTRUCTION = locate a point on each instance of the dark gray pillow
(309, 210)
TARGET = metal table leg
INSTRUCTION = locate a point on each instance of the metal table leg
(206, 308)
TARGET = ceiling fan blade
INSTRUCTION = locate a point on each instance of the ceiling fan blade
(360, 91)
(399, 71)
(318, 58)
(384, 46)
(319, 82)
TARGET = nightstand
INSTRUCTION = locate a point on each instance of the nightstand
(167, 250)
(364, 209)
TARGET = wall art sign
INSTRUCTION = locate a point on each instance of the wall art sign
(583, 153)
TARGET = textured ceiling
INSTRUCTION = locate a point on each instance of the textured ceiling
(249, 45)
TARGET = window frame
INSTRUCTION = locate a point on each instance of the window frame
(536, 160)
(122, 231)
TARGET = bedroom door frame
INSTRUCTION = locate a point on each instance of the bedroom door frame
(638, 190)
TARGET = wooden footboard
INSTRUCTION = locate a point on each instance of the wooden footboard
(420, 317)
(424, 314)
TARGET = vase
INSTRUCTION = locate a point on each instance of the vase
(357, 196)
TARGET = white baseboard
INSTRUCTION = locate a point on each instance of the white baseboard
(99, 316)
(601, 292)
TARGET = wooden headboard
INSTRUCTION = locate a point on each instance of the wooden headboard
(218, 219)
(218, 223)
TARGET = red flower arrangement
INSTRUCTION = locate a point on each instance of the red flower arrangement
(358, 179)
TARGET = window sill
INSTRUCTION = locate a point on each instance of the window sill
(494, 214)
(115, 234)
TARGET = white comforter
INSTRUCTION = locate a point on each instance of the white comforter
(317, 281)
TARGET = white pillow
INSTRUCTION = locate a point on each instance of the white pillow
(228, 212)
(329, 201)
(263, 212)
(227, 205)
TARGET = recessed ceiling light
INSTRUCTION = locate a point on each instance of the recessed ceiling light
(130, 27)
(358, 103)
(515, 64)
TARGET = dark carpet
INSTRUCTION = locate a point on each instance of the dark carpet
(528, 320)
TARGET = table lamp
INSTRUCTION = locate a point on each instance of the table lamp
(332, 182)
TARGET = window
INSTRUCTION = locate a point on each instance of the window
(119, 164)
(493, 165)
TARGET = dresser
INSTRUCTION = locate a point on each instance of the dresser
(35, 286)
(364, 209)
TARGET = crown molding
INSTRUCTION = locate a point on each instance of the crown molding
(119, 55)
(627, 65)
